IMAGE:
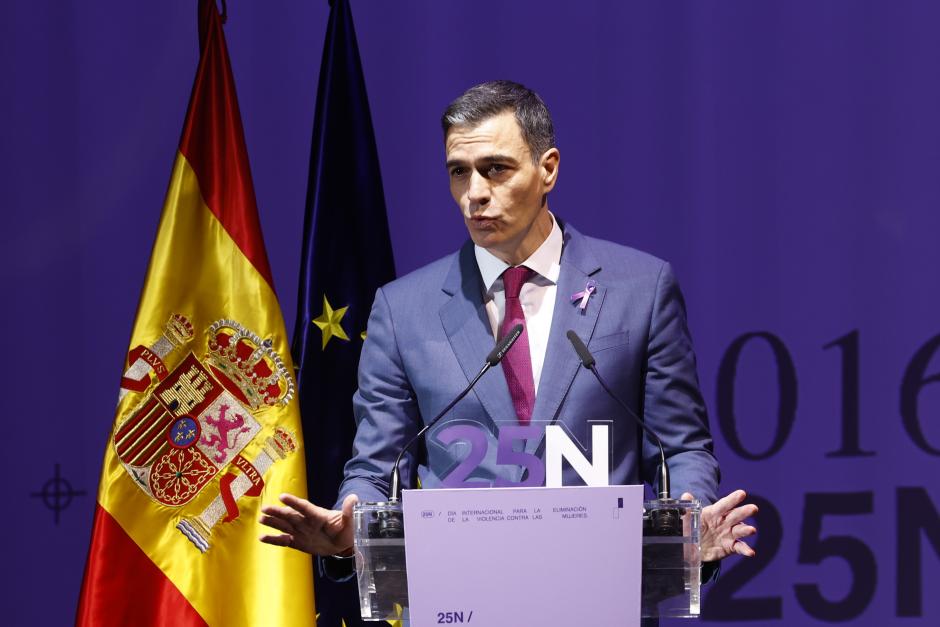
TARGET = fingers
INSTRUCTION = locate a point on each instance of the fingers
(348, 504)
(285, 513)
(343, 529)
(729, 502)
(739, 531)
(307, 527)
(280, 540)
(739, 514)
(288, 520)
(742, 531)
(296, 509)
(686, 496)
(742, 548)
(298, 513)
(304, 507)
(276, 522)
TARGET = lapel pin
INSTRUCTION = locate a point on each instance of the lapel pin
(589, 288)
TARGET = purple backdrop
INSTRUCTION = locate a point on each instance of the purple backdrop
(783, 155)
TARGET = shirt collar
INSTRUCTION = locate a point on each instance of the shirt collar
(545, 261)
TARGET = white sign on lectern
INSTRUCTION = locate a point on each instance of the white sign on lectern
(505, 557)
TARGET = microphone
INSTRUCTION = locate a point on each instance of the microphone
(496, 355)
(588, 361)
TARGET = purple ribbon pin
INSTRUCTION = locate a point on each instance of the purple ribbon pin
(589, 288)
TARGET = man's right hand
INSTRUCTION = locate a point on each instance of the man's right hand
(309, 528)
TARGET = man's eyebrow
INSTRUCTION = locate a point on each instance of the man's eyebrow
(499, 159)
(487, 159)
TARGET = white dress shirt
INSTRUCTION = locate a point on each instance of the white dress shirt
(537, 295)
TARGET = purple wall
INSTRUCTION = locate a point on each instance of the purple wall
(785, 156)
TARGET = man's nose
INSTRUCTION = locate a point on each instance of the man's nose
(478, 192)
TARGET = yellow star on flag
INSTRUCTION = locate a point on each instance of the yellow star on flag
(329, 322)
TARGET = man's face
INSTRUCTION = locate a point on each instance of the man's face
(498, 186)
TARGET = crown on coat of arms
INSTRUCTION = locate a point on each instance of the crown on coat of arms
(284, 442)
(250, 363)
(178, 329)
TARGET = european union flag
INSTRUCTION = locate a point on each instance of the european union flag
(347, 255)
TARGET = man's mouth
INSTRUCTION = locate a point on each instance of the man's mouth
(483, 220)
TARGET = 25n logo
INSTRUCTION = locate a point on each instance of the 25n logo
(558, 446)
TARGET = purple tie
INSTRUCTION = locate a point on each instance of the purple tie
(517, 364)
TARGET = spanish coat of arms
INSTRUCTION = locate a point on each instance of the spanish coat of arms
(199, 417)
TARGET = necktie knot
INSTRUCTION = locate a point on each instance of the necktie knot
(514, 278)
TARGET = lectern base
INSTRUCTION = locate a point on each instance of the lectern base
(671, 578)
(380, 561)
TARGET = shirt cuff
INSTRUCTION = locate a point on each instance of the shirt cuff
(335, 568)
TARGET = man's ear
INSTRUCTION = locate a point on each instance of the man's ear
(548, 168)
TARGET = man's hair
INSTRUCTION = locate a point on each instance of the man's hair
(485, 100)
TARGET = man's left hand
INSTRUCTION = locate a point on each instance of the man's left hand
(722, 527)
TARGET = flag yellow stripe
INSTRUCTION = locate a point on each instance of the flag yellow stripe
(197, 270)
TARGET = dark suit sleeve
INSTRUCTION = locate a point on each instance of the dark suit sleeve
(673, 404)
(386, 411)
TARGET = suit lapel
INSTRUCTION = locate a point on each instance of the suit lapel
(470, 336)
(578, 266)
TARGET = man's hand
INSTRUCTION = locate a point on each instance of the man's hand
(309, 528)
(722, 527)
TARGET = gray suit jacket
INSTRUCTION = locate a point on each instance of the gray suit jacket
(428, 335)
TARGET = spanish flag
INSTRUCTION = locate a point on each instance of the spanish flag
(207, 420)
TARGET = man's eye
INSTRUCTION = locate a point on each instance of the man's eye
(495, 168)
(458, 172)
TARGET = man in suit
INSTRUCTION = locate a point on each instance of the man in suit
(430, 331)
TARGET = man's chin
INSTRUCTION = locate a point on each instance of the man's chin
(485, 238)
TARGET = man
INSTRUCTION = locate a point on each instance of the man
(430, 331)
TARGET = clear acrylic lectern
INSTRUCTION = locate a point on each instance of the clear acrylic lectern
(671, 560)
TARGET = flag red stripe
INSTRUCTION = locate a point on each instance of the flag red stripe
(122, 586)
(148, 445)
(144, 458)
(154, 429)
(135, 420)
(214, 145)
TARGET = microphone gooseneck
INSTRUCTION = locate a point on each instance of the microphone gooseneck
(588, 361)
(496, 355)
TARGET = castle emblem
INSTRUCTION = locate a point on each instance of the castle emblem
(199, 417)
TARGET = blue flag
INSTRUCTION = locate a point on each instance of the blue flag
(346, 256)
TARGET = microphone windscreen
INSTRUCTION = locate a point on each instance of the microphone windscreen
(587, 359)
(502, 347)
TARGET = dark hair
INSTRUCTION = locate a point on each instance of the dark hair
(485, 100)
